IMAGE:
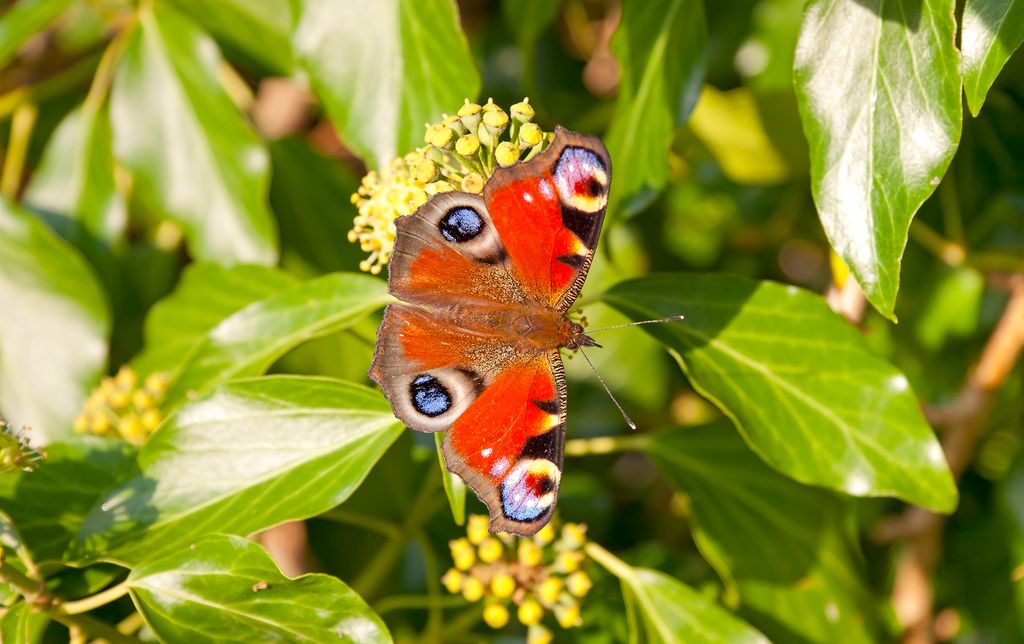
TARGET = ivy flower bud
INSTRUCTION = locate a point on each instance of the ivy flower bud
(477, 528)
(568, 561)
(125, 377)
(529, 553)
(467, 145)
(469, 114)
(546, 534)
(503, 585)
(506, 153)
(462, 554)
(156, 384)
(574, 535)
(473, 183)
(119, 399)
(452, 580)
(438, 186)
(490, 550)
(550, 590)
(81, 424)
(537, 634)
(496, 615)
(568, 615)
(151, 419)
(424, 171)
(130, 429)
(472, 589)
(579, 583)
(530, 612)
(522, 112)
(101, 425)
(442, 137)
(454, 123)
(530, 135)
(142, 399)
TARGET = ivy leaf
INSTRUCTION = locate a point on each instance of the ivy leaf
(882, 115)
(249, 455)
(661, 52)
(191, 154)
(261, 30)
(798, 580)
(454, 488)
(73, 187)
(799, 383)
(23, 20)
(53, 330)
(48, 505)
(383, 68)
(992, 30)
(23, 624)
(228, 589)
(249, 341)
(205, 295)
(671, 610)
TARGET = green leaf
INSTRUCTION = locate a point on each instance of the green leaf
(528, 19)
(250, 455)
(261, 30)
(206, 294)
(454, 488)
(671, 610)
(24, 20)
(992, 30)
(661, 52)
(383, 68)
(952, 309)
(249, 341)
(191, 154)
(73, 187)
(305, 186)
(228, 589)
(799, 383)
(23, 624)
(879, 90)
(798, 580)
(48, 505)
(53, 330)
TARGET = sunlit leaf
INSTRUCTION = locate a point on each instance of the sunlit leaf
(879, 91)
(992, 30)
(205, 295)
(53, 329)
(23, 623)
(661, 52)
(73, 186)
(249, 341)
(383, 68)
(47, 505)
(454, 488)
(671, 610)
(228, 589)
(250, 455)
(261, 30)
(799, 382)
(740, 132)
(192, 156)
(798, 579)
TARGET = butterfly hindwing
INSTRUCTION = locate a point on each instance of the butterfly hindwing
(508, 445)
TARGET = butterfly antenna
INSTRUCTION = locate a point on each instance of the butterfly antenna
(625, 416)
(673, 318)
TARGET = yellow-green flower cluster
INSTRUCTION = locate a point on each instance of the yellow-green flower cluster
(122, 406)
(530, 576)
(16, 453)
(461, 153)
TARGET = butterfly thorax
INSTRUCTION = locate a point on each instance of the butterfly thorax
(531, 328)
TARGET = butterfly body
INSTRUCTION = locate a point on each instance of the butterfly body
(473, 350)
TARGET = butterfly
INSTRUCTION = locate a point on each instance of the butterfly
(486, 282)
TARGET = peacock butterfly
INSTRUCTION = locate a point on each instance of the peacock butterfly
(473, 349)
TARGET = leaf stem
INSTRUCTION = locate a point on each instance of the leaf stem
(400, 602)
(610, 562)
(423, 507)
(95, 601)
(606, 444)
(22, 123)
(949, 252)
(379, 526)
